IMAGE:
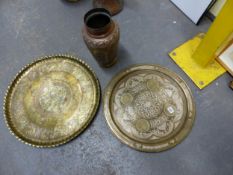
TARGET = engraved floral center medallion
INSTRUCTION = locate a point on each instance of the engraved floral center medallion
(149, 108)
(52, 101)
(148, 105)
(55, 97)
(152, 107)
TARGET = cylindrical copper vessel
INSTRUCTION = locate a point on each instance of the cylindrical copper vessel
(101, 35)
(113, 6)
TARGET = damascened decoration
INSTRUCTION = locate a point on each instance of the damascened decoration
(149, 108)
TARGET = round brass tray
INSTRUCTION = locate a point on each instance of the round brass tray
(149, 108)
(51, 101)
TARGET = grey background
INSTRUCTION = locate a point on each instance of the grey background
(194, 9)
(34, 28)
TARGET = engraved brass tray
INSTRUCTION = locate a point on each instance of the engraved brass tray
(149, 108)
(51, 101)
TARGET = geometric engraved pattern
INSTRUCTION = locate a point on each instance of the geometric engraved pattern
(152, 107)
(149, 108)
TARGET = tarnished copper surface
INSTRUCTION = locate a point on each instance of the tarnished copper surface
(113, 6)
(51, 101)
(149, 108)
(101, 35)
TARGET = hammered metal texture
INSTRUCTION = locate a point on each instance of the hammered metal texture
(149, 108)
(51, 101)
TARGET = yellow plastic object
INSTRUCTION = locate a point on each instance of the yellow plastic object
(201, 76)
(218, 33)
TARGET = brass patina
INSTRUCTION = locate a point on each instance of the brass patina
(149, 108)
(51, 101)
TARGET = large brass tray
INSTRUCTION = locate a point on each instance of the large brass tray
(51, 101)
(149, 108)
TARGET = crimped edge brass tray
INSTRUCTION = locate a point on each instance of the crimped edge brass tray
(7, 101)
(140, 146)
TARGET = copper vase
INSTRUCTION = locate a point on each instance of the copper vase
(113, 6)
(101, 35)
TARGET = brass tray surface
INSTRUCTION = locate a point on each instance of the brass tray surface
(51, 101)
(149, 108)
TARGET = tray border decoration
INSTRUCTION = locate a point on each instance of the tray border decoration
(150, 147)
(17, 78)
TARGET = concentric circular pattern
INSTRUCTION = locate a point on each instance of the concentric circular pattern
(149, 108)
(51, 101)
